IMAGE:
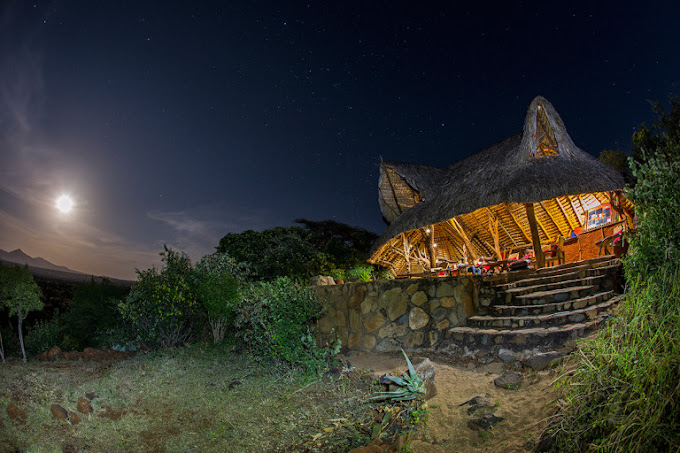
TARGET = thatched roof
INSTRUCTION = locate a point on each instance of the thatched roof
(523, 168)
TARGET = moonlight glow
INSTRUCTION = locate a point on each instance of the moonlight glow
(64, 203)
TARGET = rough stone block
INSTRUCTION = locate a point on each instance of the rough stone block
(434, 304)
(369, 343)
(340, 319)
(397, 308)
(444, 290)
(419, 298)
(417, 318)
(388, 345)
(355, 319)
(354, 341)
(441, 325)
(388, 297)
(325, 324)
(373, 322)
(447, 301)
(357, 294)
(412, 288)
(415, 339)
(392, 331)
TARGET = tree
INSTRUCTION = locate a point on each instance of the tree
(663, 136)
(161, 306)
(217, 289)
(618, 160)
(19, 293)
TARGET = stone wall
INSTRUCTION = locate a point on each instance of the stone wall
(385, 316)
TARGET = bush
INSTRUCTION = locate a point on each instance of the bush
(338, 274)
(161, 306)
(217, 289)
(44, 334)
(655, 241)
(361, 273)
(275, 320)
(93, 313)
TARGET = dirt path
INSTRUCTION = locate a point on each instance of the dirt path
(447, 431)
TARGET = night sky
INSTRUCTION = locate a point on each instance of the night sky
(180, 122)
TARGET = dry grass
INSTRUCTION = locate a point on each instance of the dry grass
(192, 399)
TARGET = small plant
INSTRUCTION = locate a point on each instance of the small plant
(411, 386)
(386, 274)
(361, 273)
(338, 274)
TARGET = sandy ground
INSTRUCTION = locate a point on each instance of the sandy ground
(524, 410)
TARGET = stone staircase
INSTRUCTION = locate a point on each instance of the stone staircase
(544, 308)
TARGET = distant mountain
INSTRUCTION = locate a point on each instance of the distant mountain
(19, 257)
(40, 267)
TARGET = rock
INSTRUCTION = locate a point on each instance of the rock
(358, 293)
(506, 355)
(91, 395)
(52, 353)
(445, 290)
(484, 422)
(427, 372)
(415, 339)
(354, 341)
(417, 318)
(441, 325)
(477, 400)
(73, 418)
(392, 331)
(59, 412)
(16, 414)
(321, 280)
(448, 302)
(419, 298)
(373, 322)
(388, 345)
(397, 308)
(84, 406)
(542, 360)
(369, 342)
(91, 354)
(511, 380)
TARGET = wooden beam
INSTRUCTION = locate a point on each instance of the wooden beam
(536, 240)
(459, 229)
(493, 229)
(573, 206)
(552, 220)
(564, 213)
(504, 229)
(519, 225)
(543, 228)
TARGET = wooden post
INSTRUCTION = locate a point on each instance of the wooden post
(430, 247)
(493, 229)
(535, 238)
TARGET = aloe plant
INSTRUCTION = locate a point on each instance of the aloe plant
(411, 386)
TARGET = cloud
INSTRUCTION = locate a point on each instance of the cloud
(197, 231)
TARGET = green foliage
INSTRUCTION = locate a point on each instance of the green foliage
(385, 274)
(411, 387)
(618, 160)
(161, 306)
(655, 241)
(268, 254)
(44, 334)
(93, 313)
(20, 294)
(663, 137)
(217, 289)
(622, 396)
(275, 321)
(361, 274)
(298, 252)
(338, 274)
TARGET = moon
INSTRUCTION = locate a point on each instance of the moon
(64, 203)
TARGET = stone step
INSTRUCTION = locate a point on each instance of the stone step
(522, 290)
(544, 321)
(542, 279)
(522, 338)
(555, 295)
(589, 262)
(554, 307)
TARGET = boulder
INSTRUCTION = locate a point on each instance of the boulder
(427, 372)
(506, 355)
(542, 360)
(51, 354)
(59, 412)
(511, 380)
(73, 418)
(417, 318)
(484, 422)
(84, 406)
(16, 414)
(321, 280)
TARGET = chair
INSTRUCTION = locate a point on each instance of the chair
(557, 253)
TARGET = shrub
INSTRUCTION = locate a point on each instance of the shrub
(161, 306)
(361, 273)
(274, 320)
(386, 274)
(44, 334)
(217, 289)
(338, 274)
(93, 312)
(655, 241)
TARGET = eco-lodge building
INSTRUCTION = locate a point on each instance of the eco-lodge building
(517, 195)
